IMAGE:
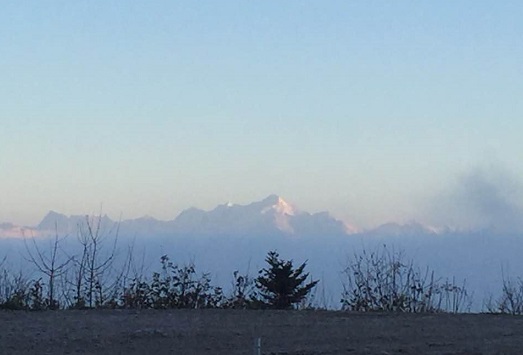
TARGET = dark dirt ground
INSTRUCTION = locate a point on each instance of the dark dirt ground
(233, 332)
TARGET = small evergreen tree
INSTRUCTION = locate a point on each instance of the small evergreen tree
(280, 285)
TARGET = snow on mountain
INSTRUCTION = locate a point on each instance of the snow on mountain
(278, 205)
(282, 212)
(271, 216)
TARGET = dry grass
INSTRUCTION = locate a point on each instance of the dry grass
(233, 332)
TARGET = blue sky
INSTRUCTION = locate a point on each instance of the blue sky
(364, 108)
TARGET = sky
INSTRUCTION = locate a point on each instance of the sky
(373, 110)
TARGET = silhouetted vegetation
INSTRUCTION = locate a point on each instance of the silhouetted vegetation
(384, 281)
(244, 294)
(174, 287)
(281, 285)
(19, 293)
(96, 278)
(511, 299)
(51, 267)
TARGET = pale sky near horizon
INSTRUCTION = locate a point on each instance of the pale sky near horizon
(367, 109)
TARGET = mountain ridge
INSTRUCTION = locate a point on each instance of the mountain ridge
(272, 215)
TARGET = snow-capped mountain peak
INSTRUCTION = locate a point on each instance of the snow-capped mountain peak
(270, 216)
(278, 205)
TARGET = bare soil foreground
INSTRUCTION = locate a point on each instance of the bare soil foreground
(233, 332)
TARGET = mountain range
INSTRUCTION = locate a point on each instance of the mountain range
(272, 216)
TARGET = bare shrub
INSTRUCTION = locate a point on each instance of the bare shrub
(384, 281)
(243, 293)
(90, 278)
(50, 264)
(453, 298)
(511, 299)
(14, 291)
